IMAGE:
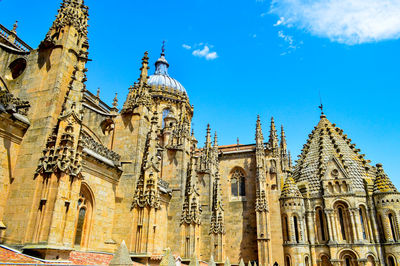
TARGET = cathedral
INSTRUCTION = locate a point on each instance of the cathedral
(77, 174)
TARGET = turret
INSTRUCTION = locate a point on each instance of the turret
(293, 221)
(387, 202)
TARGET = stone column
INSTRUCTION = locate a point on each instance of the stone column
(357, 225)
(369, 222)
(310, 222)
(353, 227)
(335, 231)
(330, 225)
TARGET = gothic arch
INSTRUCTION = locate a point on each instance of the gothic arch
(84, 220)
(237, 177)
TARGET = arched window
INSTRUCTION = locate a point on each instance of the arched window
(381, 231)
(238, 185)
(364, 222)
(321, 225)
(287, 261)
(391, 261)
(325, 261)
(296, 229)
(306, 261)
(393, 228)
(165, 113)
(341, 222)
(85, 209)
(370, 261)
(285, 229)
(345, 226)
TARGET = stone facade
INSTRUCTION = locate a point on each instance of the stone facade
(79, 175)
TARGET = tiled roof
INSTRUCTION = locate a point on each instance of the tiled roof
(382, 182)
(326, 142)
(290, 189)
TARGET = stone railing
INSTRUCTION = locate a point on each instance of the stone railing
(18, 43)
(98, 148)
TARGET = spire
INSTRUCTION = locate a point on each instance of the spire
(328, 145)
(144, 69)
(259, 134)
(283, 141)
(382, 182)
(121, 256)
(162, 64)
(215, 140)
(208, 137)
(168, 259)
(273, 137)
(71, 13)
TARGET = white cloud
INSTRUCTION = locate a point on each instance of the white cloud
(187, 47)
(290, 43)
(205, 52)
(344, 21)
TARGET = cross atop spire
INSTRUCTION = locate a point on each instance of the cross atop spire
(163, 48)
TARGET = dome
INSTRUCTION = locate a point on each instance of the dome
(161, 79)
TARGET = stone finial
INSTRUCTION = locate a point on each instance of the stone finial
(215, 139)
(115, 101)
(15, 26)
(121, 256)
(98, 93)
(211, 262)
(273, 137)
(241, 263)
(144, 69)
(168, 259)
(227, 263)
(194, 261)
(208, 137)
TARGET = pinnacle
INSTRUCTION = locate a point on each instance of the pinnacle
(121, 256)
(382, 182)
(290, 188)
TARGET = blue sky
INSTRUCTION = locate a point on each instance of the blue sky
(238, 59)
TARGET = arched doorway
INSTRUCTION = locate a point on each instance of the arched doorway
(84, 217)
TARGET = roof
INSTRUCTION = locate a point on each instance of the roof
(162, 80)
(12, 256)
(382, 182)
(326, 143)
(290, 189)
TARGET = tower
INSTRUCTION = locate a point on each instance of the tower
(48, 166)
